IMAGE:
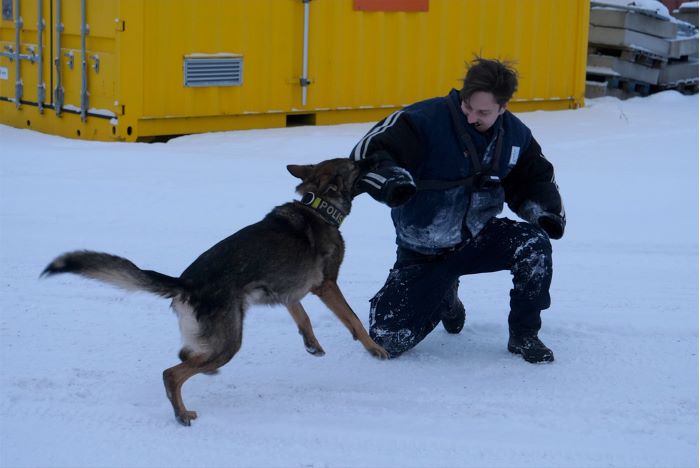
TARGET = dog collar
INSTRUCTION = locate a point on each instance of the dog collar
(328, 211)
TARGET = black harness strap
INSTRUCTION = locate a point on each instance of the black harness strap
(496, 164)
(431, 184)
(467, 143)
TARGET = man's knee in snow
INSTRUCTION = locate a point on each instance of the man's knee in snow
(533, 241)
(395, 342)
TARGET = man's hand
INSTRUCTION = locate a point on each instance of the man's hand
(551, 223)
(388, 183)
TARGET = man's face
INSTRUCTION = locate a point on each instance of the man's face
(482, 110)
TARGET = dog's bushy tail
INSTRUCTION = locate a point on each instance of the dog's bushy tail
(116, 271)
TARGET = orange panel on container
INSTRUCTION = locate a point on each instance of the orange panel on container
(391, 5)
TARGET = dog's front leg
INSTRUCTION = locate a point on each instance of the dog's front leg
(330, 294)
(305, 329)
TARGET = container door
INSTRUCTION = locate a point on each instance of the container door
(59, 55)
(84, 71)
(24, 52)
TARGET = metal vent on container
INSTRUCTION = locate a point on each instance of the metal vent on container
(213, 70)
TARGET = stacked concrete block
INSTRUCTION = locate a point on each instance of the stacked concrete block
(687, 12)
(637, 51)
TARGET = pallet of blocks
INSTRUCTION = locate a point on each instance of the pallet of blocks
(688, 12)
(638, 50)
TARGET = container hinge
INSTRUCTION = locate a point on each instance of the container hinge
(58, 96)
(10, 52)
(19, 92)
(32, 58)
(304, 81)
(41, 90)
(96, 65)
(7, 9)
(71, 58)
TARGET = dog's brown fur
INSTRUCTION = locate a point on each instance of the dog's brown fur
(291, 252)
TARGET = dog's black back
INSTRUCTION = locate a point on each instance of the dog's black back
(274, 261)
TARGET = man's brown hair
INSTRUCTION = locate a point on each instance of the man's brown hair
(491, 76)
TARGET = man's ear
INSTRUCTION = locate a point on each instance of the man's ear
(300, 172)
(503, 108)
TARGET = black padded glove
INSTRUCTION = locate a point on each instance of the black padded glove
(387, 182)
(553, 224)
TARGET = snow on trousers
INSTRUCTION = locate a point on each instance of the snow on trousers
(420, 289)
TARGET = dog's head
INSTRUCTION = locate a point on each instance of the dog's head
(333, 180)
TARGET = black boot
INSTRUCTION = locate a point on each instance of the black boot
(452, 313)
(529, 346)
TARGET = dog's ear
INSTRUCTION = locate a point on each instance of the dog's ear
(301, 172)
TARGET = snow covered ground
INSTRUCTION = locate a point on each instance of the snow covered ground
(81, 362)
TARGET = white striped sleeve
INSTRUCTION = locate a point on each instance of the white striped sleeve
(360, 151)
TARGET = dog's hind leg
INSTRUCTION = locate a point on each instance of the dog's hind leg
(305, 329)
(333, 298)
(219, 343)
(173, 378)
(186, 353)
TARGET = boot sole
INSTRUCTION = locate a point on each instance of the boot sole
(515, 350)
(451, 330)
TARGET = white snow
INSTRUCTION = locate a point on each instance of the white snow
(80, 382)
(650, 6)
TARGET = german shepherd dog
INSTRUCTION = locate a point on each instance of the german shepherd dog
(297, 248)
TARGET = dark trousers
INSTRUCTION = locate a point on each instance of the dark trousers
(421, 289)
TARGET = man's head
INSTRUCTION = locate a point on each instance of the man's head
(488, 86)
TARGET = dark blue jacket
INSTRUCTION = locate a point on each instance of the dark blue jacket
(425, 139)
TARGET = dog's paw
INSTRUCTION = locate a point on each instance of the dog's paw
(315, 351)
(186, 417)
(379, 352)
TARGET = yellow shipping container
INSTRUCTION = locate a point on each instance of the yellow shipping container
(139, 69)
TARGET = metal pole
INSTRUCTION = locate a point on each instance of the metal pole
(41, 91)
(19, 91)
(304, 81)
(83, 34)
(58, 90)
